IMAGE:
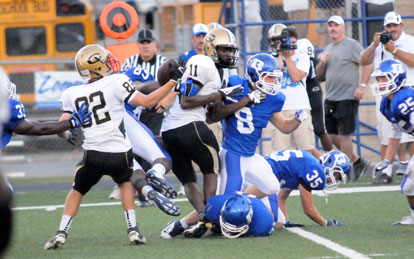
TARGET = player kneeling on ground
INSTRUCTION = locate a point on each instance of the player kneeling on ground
(397, 106)
(296, 169)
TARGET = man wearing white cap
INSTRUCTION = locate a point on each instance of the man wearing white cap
(393, 43)
(199, 32)
(339, 64)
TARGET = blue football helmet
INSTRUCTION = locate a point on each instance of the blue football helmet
(337, 168)
(259, 68)
(235, 216)
(395, 72)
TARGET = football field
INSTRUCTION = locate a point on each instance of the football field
(99, 230)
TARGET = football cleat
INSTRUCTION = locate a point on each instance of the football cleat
(161, 184)
(401, 168)
(201, 230)
(135, 236)
(173, 229)
(383, 178)
(56, 241)
(407, 220)
(164, 204)
(115, 194)
(360, 169)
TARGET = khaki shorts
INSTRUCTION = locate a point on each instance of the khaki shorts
(303, 138)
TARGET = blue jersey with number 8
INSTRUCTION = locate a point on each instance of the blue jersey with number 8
(243, 129)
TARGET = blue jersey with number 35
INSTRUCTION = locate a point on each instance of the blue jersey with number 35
(17, 115)
(292, 167)
(398, 110)
(243, 129)
(262, 220)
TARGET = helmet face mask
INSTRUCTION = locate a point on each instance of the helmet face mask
(95, 62)
(390, 76)
(221, 46)
(235, 216)
(337, 167)
(264, 73)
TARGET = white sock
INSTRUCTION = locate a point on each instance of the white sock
(183, 223)
(146, 189)
(388, 170)
(159, 170)
(65, 223)
(130, 218)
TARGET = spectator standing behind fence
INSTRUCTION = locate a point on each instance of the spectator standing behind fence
(199, 32)
(295, 67)
(324, 10)
(339, 64)
(398, 45)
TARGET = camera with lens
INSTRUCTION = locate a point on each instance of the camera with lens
(385, 37)
(285, 43)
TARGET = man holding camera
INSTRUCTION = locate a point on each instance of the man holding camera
(339, 64)
(295, 67)
(392, 43)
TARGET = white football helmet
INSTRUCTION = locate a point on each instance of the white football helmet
(9, 86)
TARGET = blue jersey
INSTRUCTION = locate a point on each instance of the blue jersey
(243, 129)
(17, 115)
(183, 58)
(137, 74)
(399, 109)
(262, 220)
(292, 167)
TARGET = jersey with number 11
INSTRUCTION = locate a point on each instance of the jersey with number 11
(105, 97)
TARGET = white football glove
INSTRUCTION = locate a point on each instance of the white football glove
(301, 115)
(256, 96)
(236, 90)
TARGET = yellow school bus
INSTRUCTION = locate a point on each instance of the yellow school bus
(41, 35)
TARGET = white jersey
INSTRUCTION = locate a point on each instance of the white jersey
(105, 98)
(201, 69)
(405, 43)
(306, 47)
(296, 95)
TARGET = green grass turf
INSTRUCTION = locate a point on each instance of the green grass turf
(100, 232)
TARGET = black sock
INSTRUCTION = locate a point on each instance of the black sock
(357, 162)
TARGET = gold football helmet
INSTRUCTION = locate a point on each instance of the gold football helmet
(96, 62)
(213, 26)
(221, 46)
(274, 34)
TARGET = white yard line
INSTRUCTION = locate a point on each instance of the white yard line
(345, 251)
(294, 193)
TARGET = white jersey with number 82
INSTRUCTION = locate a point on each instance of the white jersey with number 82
(105, 97)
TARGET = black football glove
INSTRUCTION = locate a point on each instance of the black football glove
(175, 73)
(236, 90)
(289, 224)
(73, 136)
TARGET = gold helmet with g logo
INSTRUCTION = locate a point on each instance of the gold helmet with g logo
(221, 46)
(213, 26)
(274, 34)
(96, 62)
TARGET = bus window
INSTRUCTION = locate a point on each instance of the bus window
(70, 37)
(24, 41)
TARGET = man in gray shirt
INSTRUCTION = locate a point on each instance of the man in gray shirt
(339, 64)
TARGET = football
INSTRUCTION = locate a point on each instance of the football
(163, 73)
